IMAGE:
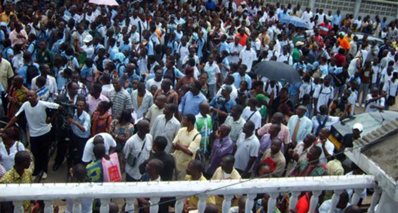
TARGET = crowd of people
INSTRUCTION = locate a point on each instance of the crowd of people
(169, 86)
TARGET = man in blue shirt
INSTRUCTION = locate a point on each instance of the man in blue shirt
(242, 76)
(210, 5)
(80, 125)
(191, 100)
(222, 104)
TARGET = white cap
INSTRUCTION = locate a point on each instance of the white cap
(243, 2)
(358, 126)
(88, 38)
(299, 43)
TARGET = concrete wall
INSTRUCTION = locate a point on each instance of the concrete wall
(356, 7)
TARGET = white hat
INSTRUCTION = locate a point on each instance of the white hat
(88, 38)
(358, 126)
(299, 43)
(243, 2)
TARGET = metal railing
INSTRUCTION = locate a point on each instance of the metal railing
(181, 189)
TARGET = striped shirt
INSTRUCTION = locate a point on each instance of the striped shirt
(121, 100)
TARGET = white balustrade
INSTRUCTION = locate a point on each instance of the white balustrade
(183, 189)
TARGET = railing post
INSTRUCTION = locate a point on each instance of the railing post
(154, 208)
(77, 207)
(226, 204)
(48, 206)
(314, 200)
(179, 204)
(104, 205)
(202, 203)
(335, 200)
(375, 200)
(129, 205)
(272, 202)
(357, 196)
(18, 206)
(249, 202)
(293, 200)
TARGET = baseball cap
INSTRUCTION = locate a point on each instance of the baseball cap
(358, 126)
(88, 38)
(227, 87)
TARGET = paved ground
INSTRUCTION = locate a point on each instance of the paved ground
(60, 175)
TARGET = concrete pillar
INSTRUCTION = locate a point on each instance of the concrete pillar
(312, 5)
(386, 204)
(357, 6)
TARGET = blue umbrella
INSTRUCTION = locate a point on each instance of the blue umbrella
(296, 21)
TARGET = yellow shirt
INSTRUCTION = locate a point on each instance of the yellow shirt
(186, 139)
(5, 73)
(219, 175)
(12, 176)
(194, 200)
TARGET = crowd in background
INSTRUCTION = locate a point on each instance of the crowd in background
(170, 87)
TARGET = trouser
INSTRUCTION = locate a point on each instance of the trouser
(76, 149)
(63, 137)
(363, 89)
(130, 179)
(40, 146)
(338, 91)
(212, 90)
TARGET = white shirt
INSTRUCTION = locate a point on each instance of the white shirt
(133, 145)
(152, 82)
(234, 93)
(107, 89)
(304, 129)
(323, 94)
(212, 71)
(379, 102)
(329, 146)
(246, 148)
(255, 117)
(329, 122)
(168, 129)
(247, 57)
(37, 117)
(147, 102)
(236, 127)
(7, 160)
(88, 154)
(51, 84)
(89, 50)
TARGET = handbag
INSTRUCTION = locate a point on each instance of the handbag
(131, 159)
(111, 169)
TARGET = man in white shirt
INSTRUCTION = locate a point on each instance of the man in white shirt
(248, 56)
(101, 138)
(299, 125)
(236, 122)
(250, 113)
(324, 143)
(247, 150)
(136, 150)
(39, 129)
(141, 108)
(374, 101)
(323, 95)
(307, 15)
(166, 125)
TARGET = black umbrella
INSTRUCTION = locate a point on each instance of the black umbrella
(277, 71)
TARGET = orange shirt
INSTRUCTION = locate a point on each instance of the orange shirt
(344, 43)
(243, 39)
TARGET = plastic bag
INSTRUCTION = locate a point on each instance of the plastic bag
(111, 169)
